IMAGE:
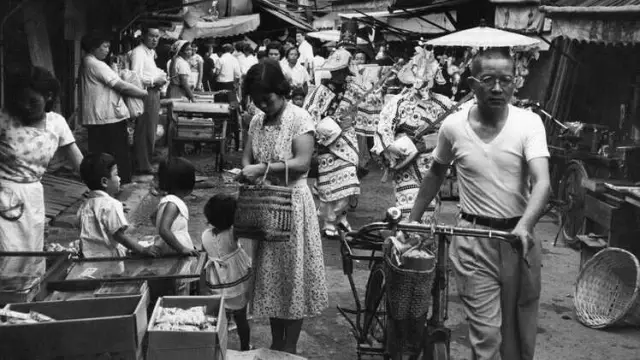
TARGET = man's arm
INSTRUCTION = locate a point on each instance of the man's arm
(539, 172)
(137, 66)
(428, 189)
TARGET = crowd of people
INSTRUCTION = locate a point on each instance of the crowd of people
(297, 125)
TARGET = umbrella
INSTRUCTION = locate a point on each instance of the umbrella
(484, 37)
(331, 35)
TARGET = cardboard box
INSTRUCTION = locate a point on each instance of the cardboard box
(193, 345)
(84, 329)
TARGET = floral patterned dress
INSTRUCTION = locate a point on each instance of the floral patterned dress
(290, 278)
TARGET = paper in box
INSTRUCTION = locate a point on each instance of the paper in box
(193, 345)
(83, 329)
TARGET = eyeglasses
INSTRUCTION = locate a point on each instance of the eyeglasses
(490, 81)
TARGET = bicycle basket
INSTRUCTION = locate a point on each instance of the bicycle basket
(607, 292)
(408, 291)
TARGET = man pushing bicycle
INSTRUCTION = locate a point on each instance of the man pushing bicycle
(501, 158)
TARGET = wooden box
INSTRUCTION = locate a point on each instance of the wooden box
(195, 128)
(84, 329)
(193, 345)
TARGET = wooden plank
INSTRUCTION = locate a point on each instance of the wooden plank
(599, 211)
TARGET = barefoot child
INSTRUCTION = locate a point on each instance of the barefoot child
(102, 222)
(227, 263)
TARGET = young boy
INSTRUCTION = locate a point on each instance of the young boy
(297, 96)
(102, 220)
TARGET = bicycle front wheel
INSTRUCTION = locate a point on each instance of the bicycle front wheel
(375, 318)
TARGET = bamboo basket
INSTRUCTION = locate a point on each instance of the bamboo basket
(607, 290)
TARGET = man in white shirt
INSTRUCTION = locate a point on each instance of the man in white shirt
(306, 52)
(228, 79)
(498, 150)
(143, 62)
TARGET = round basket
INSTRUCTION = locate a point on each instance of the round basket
(408, 291)
(606, 292)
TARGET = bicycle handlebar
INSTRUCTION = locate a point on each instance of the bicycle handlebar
(435, 229)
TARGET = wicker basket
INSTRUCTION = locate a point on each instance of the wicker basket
(408, 291)
(606, 292)
(264, 212)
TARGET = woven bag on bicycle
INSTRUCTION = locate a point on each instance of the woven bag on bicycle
(409, 275)
(264, 212)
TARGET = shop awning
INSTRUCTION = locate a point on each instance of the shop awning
(235, 25)
(433, 23)
(600, 21)
(285, 15)
(442, 6)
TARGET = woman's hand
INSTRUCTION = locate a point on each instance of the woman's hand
(189, 252)
(253, 172)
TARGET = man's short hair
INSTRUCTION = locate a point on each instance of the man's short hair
(227, 48)
(147, 28)
(94, 167)
(491, 53)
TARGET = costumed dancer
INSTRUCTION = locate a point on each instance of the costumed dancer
(402, 117)
(332, 107)
(369, 104)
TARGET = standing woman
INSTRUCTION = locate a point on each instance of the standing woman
(30, 134)
(294, 72)
(103, 110)
(180, 71)
(290, 279)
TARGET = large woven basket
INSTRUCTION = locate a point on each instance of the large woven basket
(408, 291)
(264, 212)
(607, 290)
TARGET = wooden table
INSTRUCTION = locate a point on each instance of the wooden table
(199, 123)
(612, 218)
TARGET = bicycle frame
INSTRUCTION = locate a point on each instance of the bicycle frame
(364, 239)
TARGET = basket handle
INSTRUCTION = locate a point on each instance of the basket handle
(286, 172)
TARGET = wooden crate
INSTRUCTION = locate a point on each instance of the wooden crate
(84, 329)
(193, 345)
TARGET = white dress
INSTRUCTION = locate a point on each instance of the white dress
(180, 226)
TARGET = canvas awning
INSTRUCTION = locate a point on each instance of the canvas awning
(409, 20)
(235, 25)
(284, 15)
(599, 21)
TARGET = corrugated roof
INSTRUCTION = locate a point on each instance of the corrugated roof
(592, 7)
(589, 3)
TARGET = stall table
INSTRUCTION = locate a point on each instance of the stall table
(198, 122)
(612, 217)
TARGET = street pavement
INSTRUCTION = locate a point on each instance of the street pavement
(328, 336)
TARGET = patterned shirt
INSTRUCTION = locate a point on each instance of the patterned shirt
(25, 151)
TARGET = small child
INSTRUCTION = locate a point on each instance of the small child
(227, 263)
(177, 178)
(297, 96)
(102, 222)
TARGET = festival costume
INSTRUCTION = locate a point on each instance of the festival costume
(369, 105)
(337, 150)
(404, 115)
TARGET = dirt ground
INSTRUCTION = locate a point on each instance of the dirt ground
(328, 336)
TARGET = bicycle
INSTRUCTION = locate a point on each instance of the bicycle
(371, 327)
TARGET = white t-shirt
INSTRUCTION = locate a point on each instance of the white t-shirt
(229, 69)
(306, 54)
(493, 177)
(144, 64)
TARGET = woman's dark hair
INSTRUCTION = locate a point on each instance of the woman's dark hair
(261, 54)
(277, 46)
(185, 46)
(289, 50)
(176, 175)
(22, 78)
(220, 211)
(266, 77)
(93, 40)
(94, 168)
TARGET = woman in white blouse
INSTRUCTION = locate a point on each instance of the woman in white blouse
(179, 71)
(295, 73)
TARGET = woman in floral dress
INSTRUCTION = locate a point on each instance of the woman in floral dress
(290, 279)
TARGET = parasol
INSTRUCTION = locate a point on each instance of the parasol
(331, 35)
(484, 37)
